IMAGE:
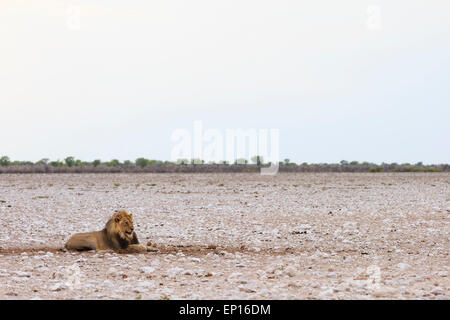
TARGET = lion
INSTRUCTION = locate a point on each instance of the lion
(117, 235)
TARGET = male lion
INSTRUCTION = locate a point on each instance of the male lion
(118, 234)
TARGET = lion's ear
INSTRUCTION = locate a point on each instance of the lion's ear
(117, 219)
(131, 216)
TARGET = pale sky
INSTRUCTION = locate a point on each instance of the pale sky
(351, 79)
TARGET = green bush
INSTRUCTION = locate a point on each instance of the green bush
(182, 161)
(142, 162)
(56, 163)
(4, 161)
(113, 163)
(43, 162)
(258, 160)
(153, 162)
(70, 161)
(241, 161)
(196, 161)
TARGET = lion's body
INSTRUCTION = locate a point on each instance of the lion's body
(118, 234)
(97, 240)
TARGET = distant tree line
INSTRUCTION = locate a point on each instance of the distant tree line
(73, 165)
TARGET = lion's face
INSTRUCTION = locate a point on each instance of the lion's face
(123, 222)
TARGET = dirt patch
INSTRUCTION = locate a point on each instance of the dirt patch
(190, 250)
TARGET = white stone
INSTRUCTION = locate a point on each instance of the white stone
(246, 289)
(147, 270)
(22, 274)
(403, 266)
(173, 272)
(58, 287)
(291, 271)
(326, 293)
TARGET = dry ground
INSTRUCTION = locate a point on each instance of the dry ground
(230, 236)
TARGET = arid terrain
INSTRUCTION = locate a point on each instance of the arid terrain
(230, 236)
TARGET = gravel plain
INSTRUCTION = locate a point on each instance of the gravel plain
(230, 236)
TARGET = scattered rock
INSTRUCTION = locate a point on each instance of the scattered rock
(326, 293)
(234, 276)
(403, 266)
(147, 270)
(442, 273)
(173, 272)
(58, 287)
(258, 258)
(291, 271)
(246, 289)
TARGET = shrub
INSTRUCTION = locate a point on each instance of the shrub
(141, 162)
(197, 161)
(4, 161)
(43, 162)
(113, 163)
(153, 162)
(182, 161)
(70, 161)
(241, 161)
(258, 160)
(56, 163)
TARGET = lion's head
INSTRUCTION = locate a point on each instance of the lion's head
(121, 224)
